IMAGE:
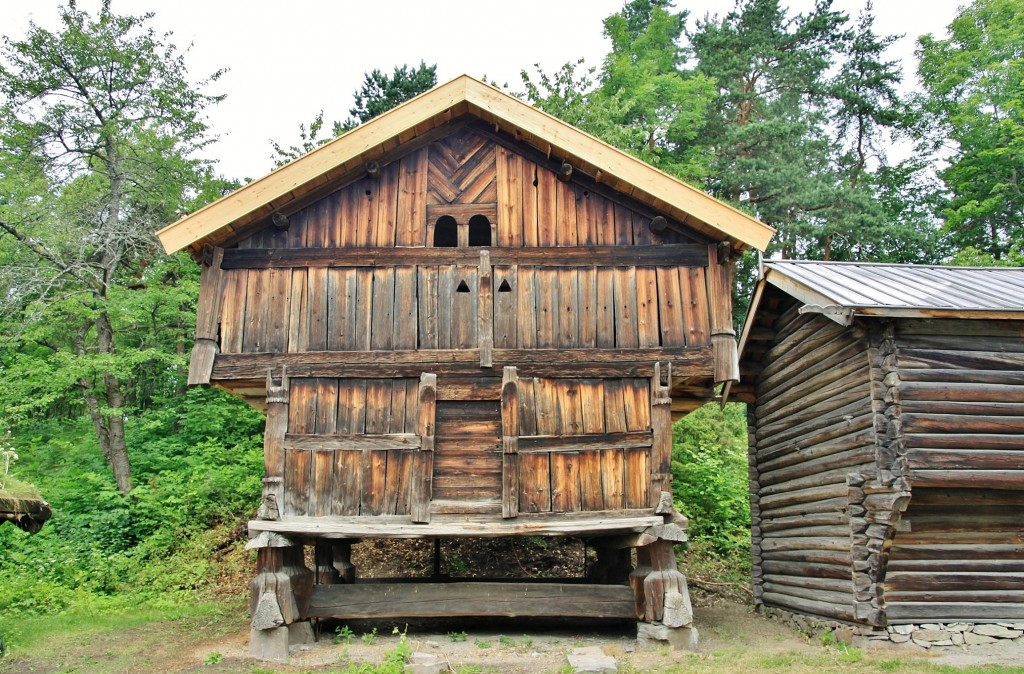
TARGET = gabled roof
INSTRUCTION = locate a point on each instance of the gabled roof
(346, 158)
(842, 290)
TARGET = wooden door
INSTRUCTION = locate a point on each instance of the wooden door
(467, 457)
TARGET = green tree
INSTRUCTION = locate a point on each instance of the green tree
(642, 101)
(662, 103)
(378, 94)
(98, 126)
(796, 134)
(974, 85)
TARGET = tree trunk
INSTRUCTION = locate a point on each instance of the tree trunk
(109, 424)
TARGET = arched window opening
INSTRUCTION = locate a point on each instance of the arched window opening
(479, 231)
(446, 232)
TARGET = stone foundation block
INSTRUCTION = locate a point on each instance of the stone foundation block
(650, 635)
(591, 660)
(270, 645)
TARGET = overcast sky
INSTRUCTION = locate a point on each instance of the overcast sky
(288, 60)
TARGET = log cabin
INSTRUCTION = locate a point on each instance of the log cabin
(465, 318)
(886, 442)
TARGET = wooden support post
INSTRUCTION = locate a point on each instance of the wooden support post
(323, 557)
(613, 566)
(661, 423)
(211, 290)
(485, 313)
(723, 337)
(510, 442)
(281, 592)
(273, 447)
(343, 561)
(636, 580)
(659, 589)
(423, 461)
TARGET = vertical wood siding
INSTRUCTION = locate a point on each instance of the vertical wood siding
(422, 307)
(330, 481)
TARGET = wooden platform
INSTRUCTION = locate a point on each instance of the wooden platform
(29, 514)
(470, 526)
(512, 600)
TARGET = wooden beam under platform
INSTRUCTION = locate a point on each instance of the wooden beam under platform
(511, 600)
(600, 523)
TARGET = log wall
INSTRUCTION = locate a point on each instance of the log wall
(959, 552)
(812, 425)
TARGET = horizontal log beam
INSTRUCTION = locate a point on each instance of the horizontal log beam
(989, 479)
(675, 255)
(904, 612)
(434, 600)
(686, 362)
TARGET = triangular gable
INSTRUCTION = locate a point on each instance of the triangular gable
(348, 157)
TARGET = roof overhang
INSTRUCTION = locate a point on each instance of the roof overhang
(347, 157)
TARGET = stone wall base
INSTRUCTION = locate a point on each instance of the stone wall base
(924, 635)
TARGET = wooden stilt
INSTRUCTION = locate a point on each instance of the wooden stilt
(343, 561)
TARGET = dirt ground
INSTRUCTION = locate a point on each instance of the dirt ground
(733, 639)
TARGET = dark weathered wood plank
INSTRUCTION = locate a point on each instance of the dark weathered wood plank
(613, 472)
(534, 483)
(332, 442)
(591, 493)
(689, 255)
(626, 332)
(485, 310)
(526, 309)
(426, 600)
(649, 290)
(506, 333)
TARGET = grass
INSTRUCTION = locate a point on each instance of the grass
(76, 635)
(15, 488)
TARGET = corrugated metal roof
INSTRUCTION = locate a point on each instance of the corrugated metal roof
(902, 289)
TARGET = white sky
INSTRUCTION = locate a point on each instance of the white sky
(288, 60)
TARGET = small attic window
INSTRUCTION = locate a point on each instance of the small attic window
(479, 231)
(446, 232)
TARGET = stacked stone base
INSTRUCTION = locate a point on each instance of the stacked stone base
(925, 635)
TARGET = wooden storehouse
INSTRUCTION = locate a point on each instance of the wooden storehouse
(466, 318)
(886, 420)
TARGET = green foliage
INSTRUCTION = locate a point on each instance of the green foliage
(458, 636)
(99, 124)
(343, 634)
(972, 257)
(641, 101)
(797, 132)
(213, 658)
(381, 92)
(709, 475)
(974, 81)
(199, 469)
